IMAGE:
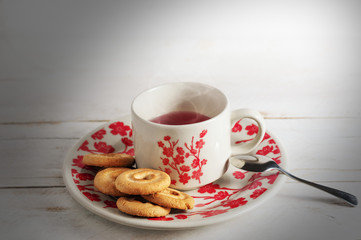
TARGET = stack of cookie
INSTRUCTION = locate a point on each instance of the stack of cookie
(142, 192)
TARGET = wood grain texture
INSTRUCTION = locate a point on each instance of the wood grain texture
(317, 149)
(297, 212)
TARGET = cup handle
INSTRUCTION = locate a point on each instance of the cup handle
(249, 146)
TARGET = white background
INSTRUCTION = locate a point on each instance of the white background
(68, 66)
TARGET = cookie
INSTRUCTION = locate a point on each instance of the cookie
(108, 160)
(134, 206)
(142, 181)
(104, 181)
(171, 198)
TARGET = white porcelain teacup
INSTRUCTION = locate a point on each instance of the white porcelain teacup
(184, 129)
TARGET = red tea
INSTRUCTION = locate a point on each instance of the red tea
(180, 118)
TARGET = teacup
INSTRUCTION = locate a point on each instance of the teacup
(184, 129)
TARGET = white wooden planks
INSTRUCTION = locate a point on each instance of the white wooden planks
(324, 150)
(297, 212)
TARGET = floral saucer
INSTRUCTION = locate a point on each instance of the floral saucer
(236, 192)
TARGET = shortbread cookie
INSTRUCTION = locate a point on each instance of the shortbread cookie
(134, 206)
(171, 198)
(108, 160)
(142, 181)
(104, 181)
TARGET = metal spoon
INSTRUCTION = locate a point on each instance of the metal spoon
(251, 163)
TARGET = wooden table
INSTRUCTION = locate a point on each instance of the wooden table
(66, 68)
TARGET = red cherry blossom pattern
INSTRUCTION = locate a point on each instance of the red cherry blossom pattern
(120, 128)
(211, 200)
(237, 127)
(161, 219)
(175, 154)
(99, 134)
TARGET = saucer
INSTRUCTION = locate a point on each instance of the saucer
(236, 192)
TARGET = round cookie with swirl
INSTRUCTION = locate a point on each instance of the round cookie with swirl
(171, 198)
(142, 181)
(104, 181)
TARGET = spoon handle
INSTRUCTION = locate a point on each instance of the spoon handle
(349, 198)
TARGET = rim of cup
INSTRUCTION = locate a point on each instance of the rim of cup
(195, 90)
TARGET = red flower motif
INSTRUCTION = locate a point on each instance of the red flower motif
(127, 142)
(252, 129)
(168, 152)
(130, 152)
(258, 193)
(178, 159)
(110, 204)
(166, 138)
(235, 203)
(237, 127)
(254, 177)
(165, 161)
(119, 128)
(184, 178)
(78, 162)
(271, 141)
(277, 159)
(161, 218)
(181, 216)
(180, 150)
(255, 185)
(103, 147)
(73, 172)
(209, 188)
(204, 162)
(197, 174)
(92, 197)
(195, 163)
(84, 146)
(265, 150)
(277, 150)
(266, 136)
(200, 144)
(212, 213)
(272, 178)
(99, 134)
(193, 151)
(203, 133)
(239, 175)
(81, 188)
(84, 176)
(221, 195)
(167, 171)
(161, 144)
(184, 168)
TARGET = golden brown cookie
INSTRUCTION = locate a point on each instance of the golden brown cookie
(104, 181)
(142, 181)
(134, 206)
(108, 160)
(171, 198)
